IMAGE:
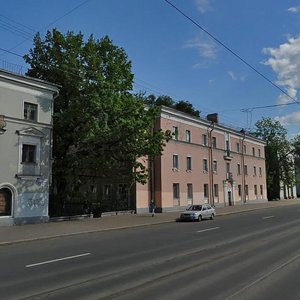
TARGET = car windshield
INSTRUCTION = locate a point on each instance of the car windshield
(195, 207)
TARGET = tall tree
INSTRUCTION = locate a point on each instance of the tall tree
(100, 129)
(164, 100)
(278, 151)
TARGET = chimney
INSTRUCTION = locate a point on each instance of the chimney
(213, 118)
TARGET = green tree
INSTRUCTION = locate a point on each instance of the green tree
(99, 129)
(164, 100)
(278, 154)
(187, 107)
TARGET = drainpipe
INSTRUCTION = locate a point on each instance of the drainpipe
(243, 168)
(210, 170)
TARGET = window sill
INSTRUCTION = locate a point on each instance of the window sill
(27, 176)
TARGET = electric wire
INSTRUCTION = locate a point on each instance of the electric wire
(48, 25)
(231, 51)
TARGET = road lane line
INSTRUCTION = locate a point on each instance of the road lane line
(209, 229)
(56, 260)
(261, 278)
(268, 217)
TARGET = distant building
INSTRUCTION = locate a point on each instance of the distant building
(26, 107)
(290, 191)
(204, 162)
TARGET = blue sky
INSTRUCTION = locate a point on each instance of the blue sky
(171, 56)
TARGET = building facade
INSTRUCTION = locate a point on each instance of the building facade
(204, 162)
(26, 107)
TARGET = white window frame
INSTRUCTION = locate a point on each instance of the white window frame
(189, 163)
(37, 110)
(205, 165)
(175, 167)
(188, 136)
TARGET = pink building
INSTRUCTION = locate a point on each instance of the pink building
(205, 162)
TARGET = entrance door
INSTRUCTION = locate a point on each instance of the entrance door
(229, 198)
(5, 202)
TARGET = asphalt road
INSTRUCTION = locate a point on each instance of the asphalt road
(254, 255)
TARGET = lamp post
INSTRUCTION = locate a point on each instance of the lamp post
(210, 129)
(243, 167)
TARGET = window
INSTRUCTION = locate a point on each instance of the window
(255, 189)
(30, 111)
(216, 190)
(261, 190)
(240, 190)
(238, 147)
(175, 133)
(227, 145)
(253, 151)
(188, 137)
(246, 190)
(175, 161)
(28, 153)
(176, 192)
(259, 153)
(189, 191)
(205, 190)
(260, 171)
(254, 171)
(205, 165)
(107, 192)
(204, 139)
(238, 169)
(246, 170)
(214, 142)
(5, 202)
(215, 166)
(227, 167)
(189, 163)
(245, 149)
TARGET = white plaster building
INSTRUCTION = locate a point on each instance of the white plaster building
(26, 106)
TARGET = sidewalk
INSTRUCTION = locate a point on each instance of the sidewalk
(31, 232)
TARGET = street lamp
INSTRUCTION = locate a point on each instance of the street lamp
(243, 167)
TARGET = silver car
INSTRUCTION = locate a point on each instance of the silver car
(198, 212)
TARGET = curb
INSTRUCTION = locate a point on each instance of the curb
(7, 243)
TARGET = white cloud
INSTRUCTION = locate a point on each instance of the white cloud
(206, 48)
(285, 62)
(235, 77)
(290, 119)
(203, 6)
(294, 9)
(232, 75)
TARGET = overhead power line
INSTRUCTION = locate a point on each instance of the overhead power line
(231, 51)
(48, 25)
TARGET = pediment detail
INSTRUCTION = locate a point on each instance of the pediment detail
(30, 131)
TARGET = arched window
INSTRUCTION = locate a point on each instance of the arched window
(5, 202)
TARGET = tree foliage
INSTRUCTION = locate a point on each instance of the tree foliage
(100, 129)
(182, 105)
(278, 153)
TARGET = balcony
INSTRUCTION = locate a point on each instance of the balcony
(228, 155)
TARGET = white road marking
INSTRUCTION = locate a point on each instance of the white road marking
(209, 229)
(58, 259)
(268, 217)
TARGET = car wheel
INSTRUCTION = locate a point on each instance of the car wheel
(200, 218)
(212, 216)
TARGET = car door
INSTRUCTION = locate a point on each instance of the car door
(204, 212)
(209, 211)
